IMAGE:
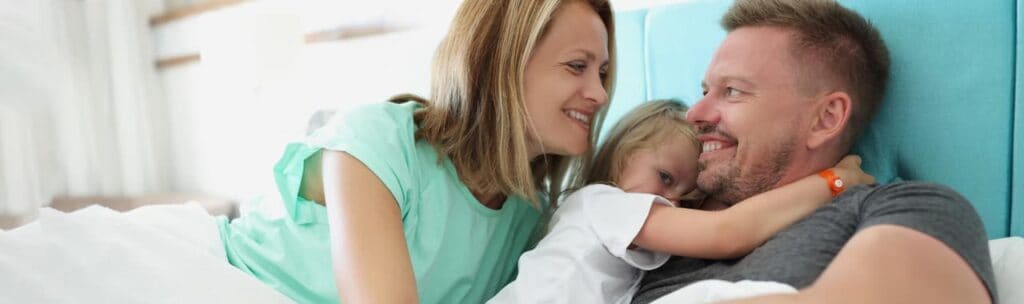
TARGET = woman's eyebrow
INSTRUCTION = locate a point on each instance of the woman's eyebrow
(587, 53)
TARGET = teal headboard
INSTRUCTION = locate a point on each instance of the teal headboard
(948, 116)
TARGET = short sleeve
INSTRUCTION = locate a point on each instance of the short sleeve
(937, 211)
(617, 217)
(381, 136)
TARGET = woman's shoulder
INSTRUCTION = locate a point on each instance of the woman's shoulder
(379, 135)
(381, 115)
(377, 124)
(401, 111)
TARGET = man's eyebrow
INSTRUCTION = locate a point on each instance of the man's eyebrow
(726, 79)
(738, 79)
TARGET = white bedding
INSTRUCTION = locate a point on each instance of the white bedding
(173, 254)
(712, 291)
(154, 254)
(1008, 264)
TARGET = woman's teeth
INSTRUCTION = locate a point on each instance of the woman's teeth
(578, 116)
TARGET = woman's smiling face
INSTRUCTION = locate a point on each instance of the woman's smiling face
(563, 82)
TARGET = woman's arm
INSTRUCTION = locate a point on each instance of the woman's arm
(371, 259)
(736, 231)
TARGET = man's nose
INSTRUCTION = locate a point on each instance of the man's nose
(703, 113)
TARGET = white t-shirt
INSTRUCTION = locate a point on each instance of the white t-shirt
(585, 258)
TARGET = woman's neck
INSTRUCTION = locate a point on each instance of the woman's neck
(490, 200)
(493, 199)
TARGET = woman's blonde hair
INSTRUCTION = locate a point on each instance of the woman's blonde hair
(644, 127)
(476, 114)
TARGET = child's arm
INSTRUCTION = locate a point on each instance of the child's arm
(736, 231)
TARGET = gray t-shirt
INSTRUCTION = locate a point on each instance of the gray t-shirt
(799, 254)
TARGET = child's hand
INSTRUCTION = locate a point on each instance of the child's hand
(849, 170)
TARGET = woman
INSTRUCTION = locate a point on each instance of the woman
(434, 201)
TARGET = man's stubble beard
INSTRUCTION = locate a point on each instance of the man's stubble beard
(732, 185)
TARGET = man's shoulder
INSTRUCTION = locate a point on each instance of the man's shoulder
(933, 209)
(801, 252)
(904, 188)
(904, 198)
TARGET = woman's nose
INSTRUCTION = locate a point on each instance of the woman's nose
(596, 92)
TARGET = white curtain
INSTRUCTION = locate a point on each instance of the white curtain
(81, 109)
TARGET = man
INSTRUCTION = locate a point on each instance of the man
(786, 95)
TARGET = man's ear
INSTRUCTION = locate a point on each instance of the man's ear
(832, 113)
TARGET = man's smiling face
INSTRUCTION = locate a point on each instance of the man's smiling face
(752, 117)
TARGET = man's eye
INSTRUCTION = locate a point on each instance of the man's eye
(665, 178)
(704, 92)
(732, 92)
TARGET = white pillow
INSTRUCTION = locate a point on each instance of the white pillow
(1008, 264)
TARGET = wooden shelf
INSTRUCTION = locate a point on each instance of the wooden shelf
(191, 10)
(330, 35)
(177, 60)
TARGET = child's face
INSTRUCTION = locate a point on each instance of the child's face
(668, 169)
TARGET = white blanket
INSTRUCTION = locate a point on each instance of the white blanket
(711, 291)
(155, 254)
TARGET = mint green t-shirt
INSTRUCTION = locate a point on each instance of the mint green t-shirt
(461, 251)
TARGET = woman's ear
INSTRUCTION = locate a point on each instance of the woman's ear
(830, 119)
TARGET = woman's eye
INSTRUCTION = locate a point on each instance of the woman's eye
(577, 66)
(665, 178)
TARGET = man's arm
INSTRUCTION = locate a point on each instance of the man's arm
(891, 264)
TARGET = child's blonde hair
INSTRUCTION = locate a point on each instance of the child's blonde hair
(644, 127)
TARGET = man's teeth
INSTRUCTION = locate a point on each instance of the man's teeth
(578, 116)
(711, 146)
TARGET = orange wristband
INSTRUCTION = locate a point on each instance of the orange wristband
(835, 184)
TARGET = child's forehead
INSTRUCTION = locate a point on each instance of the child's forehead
(671, 129)
(663, 138)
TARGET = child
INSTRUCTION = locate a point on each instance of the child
(625, 220)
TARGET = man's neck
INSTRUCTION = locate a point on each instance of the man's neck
(812, 164)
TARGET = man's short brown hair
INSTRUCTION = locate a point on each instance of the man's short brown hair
(833, 43)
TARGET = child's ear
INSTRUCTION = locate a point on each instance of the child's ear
(832, 113)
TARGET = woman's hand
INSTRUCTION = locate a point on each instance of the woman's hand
(850, 171)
